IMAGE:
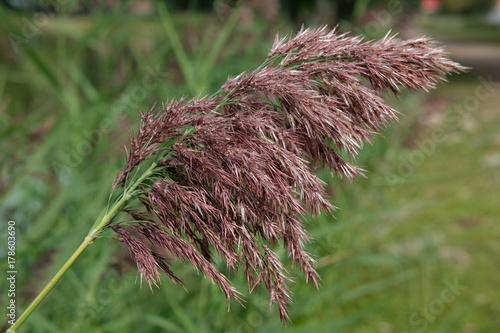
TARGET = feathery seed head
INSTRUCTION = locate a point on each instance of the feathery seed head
(235, 171)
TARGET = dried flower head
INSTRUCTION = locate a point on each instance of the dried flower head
(233, 172)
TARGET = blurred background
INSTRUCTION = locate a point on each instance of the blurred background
(413, 248)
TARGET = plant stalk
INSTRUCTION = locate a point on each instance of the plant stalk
(89, 239)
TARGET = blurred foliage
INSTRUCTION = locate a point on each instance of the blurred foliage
(471, 27)
(467, 6)
(70, 89)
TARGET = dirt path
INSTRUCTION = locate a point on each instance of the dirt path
(483, 58)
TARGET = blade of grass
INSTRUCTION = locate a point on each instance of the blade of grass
(103, 23)
(163, 324)
(87, 87)
(217, 46)
(378, 285)
(182, 315)
(43, 66)
(180, 53)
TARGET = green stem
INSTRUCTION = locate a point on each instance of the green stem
(50, 285)
(93, 234)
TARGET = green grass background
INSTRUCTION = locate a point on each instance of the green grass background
(70, 92)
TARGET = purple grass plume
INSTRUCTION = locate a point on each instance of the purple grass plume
(234, 172)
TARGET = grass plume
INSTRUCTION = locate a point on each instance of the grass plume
(235, 169)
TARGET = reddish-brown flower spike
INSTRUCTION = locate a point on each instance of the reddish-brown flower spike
(234, 172)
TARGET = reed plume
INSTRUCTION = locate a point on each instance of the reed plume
(233, 172)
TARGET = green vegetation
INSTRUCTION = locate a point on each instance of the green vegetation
(406, 252)
(470, 28)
